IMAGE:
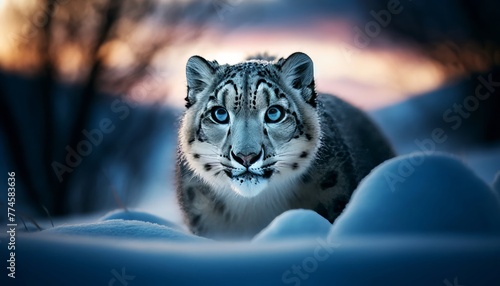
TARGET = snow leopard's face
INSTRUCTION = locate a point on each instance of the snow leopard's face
(251, 126)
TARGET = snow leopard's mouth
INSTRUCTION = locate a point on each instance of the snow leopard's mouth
(250, 181)
(249, 175)
(264, 172)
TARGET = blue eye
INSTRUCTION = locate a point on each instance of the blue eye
(274, 114)
(220, 115)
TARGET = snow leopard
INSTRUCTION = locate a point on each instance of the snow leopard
(257, 140)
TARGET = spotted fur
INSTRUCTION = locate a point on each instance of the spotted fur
(256, 140)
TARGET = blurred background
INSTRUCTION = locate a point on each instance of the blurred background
(91, 91)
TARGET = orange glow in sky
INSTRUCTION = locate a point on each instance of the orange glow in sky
(368, 78)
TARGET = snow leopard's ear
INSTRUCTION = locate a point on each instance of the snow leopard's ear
(200, 74)
(297, 71)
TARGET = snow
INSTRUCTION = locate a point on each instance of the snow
(129, 229)
(421, 194)
(57, 260)
(439, 226)
(295, 224)
(139, 216)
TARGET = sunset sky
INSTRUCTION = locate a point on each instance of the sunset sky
(381, 73)
(369, 78)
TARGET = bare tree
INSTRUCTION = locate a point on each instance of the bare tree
(69, 43)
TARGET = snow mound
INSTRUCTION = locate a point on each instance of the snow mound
(126, 229)
(295, 224)
(420, 194)
(139, 216)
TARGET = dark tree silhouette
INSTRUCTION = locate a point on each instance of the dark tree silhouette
(35, 92)
(464, 37)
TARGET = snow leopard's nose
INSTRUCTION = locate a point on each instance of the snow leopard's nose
(246, 159)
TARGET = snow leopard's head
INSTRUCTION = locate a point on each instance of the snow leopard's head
(252, 126)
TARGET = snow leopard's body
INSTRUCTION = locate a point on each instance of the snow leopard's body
(256, 141)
